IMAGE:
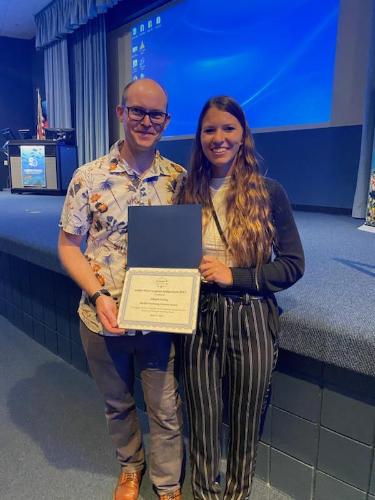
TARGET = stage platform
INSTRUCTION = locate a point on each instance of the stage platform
(328, 315)
(319, 433)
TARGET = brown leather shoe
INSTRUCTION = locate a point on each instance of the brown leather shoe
(128, 486)
(172, 495)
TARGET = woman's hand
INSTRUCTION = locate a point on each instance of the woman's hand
(213, 270)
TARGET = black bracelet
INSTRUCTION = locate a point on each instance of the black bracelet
(96, 295)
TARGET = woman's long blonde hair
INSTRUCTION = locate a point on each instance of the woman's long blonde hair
(249, 231)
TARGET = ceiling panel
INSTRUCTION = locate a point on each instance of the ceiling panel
(17, 17)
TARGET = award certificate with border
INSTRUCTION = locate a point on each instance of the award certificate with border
(160, 299)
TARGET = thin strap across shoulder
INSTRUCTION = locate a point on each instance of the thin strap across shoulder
(217, 222)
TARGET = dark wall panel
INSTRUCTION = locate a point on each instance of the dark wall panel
(317, 167)
(16, 91)
(124, 12)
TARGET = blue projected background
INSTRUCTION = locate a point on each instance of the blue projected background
(275, 57)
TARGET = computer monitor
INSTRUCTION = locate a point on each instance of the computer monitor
(63, 135)
(25, 133)
(7, 134)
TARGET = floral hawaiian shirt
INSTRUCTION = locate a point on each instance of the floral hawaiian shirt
(97, 203)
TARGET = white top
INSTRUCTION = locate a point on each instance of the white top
(212, 243)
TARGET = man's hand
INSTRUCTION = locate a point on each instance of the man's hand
(107, 313)
(213, 270)
(80, 270)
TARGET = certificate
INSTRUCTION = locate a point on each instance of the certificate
(160, 299)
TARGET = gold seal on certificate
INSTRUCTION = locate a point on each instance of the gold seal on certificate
(162, 281)
(164, 300)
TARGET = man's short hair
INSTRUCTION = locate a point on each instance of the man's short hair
(125, 92)
(130, 84)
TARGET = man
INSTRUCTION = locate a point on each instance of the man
(133, 173)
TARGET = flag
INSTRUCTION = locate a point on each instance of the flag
(41, 121)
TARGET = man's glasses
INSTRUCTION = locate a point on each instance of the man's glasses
(156, 117)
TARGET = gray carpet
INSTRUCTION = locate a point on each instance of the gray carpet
(53, 436)
(329, 313)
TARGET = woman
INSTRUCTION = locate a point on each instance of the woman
(251, 249)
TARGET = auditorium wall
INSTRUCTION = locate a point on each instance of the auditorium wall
(16, 90)
(317, 167)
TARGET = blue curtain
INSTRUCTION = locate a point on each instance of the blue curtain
(62, 17)
(85, 49)
(88, 55)
(367, 144)
(56, 75)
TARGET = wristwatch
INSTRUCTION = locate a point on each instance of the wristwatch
(96, 295)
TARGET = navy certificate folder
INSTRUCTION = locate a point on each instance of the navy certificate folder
(168, 236)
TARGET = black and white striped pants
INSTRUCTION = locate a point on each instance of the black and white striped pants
(234, 344)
